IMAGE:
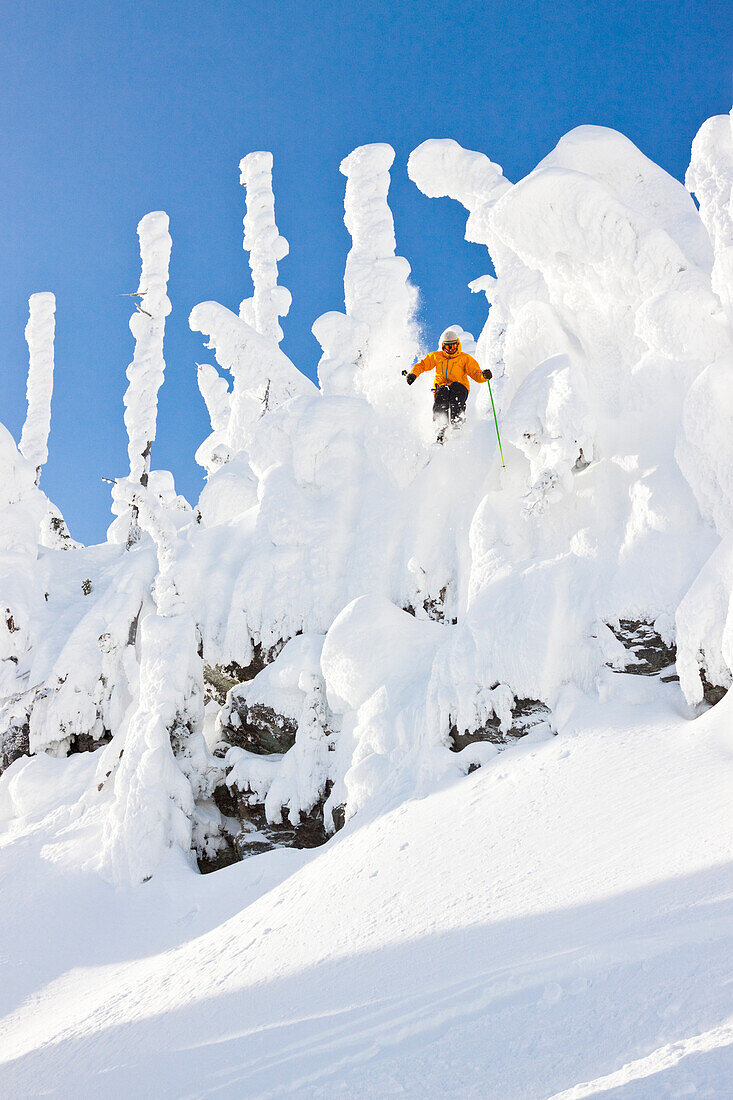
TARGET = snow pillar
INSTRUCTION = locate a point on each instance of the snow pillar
(710, 179)
(365, 350)
(145, 372)
(266, 248)
(441, 168)
(39, 334)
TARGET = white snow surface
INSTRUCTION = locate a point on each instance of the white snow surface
(556, 925)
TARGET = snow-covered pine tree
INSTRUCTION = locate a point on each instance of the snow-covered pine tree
(39, 334)
(263, 376)
(146, 371)
(22, 506)
(248, 345)
(162, 772)
(365, 348)
(214, 451)
(266, 248)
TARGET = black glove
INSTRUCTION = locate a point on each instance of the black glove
(411, 378)
(487, 374)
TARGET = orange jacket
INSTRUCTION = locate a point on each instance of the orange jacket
(455, 368)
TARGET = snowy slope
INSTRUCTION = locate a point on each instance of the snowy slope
(556, 924)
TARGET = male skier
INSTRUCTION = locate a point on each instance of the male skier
(453, 368)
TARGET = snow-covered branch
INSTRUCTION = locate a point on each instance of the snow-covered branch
(264, 377)
(441, 168)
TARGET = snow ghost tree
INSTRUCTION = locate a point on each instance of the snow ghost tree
(39, 334)
(22, 507)
(214, 451)
(365, 349)
(146, 371)
(266, 248)
(704, 445)
(247, 345)
(162, 772)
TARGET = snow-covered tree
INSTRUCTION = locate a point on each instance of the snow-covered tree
(22, 507)
(266, 248)
(214, 451)
(709, 179)
(147, 369)
(39, 334)
(161, 769)
(704, 445)
(442, 168)
(365, 349)
(260, 313)
(248, 345)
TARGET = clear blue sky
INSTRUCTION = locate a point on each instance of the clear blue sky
(110, 110)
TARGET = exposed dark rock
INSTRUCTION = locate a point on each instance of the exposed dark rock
(225, 800)
(651, 655)
(225, 857)
(434, 607)
(14, 743)
(526, 714)
(712, 693)
(220, 679)
(256, 727)
(258, 835)
(85, 742)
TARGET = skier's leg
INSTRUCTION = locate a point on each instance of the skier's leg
(441, 403)
(458, 398)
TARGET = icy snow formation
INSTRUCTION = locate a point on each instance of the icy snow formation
(709, 179)
(266, 248)
(39, 333)
(365, 348)
(162, 767)
(145, 372)
(389, 601)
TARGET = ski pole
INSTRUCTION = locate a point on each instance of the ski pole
(496, 421)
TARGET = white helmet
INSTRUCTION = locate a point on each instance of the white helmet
(450, 336)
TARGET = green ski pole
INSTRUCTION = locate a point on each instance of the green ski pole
(496, 421)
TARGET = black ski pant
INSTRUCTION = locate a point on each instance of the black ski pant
(449, 405)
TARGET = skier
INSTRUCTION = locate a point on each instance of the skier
(453, 368)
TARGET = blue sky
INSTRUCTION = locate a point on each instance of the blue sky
(111, 110)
